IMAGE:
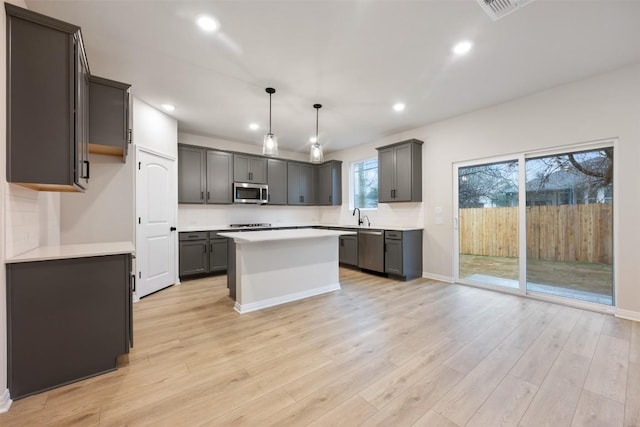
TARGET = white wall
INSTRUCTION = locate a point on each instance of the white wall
(601, 107)
(154, 130)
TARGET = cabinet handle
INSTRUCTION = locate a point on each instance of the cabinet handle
(205, 249)
(129, 136)
(250, 176)
(201, 195)
(208, 195)
(210, 247)
(86, 162)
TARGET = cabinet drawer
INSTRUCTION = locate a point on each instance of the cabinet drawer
(214, 235)
(195, 235)
(389, 234)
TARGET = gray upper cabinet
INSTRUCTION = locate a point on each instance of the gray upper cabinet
(192, 173)
(400, 172)
(219, 177)
(277, 181)
(300, 183)
(249, 169)
(47, 103)
(204, 176)
(109, 130)
(330, 183)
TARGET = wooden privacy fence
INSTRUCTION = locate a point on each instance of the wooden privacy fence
(554, 233)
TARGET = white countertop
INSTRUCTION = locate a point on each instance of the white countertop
(271, 235)
(193, 228)
(73, 251)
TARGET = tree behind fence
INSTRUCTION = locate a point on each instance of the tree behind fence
(554, 233)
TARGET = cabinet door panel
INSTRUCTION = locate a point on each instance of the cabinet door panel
(393, 257)
(348, 250)
(218, 258)
(108, 125)
(258, 170)
(324, 184)
(293, 183)
(386, 175)
(277, 180)
(402, 174)
(307, 185)
(240, 168)
(191, 175)
(219, 177)
(194, 257)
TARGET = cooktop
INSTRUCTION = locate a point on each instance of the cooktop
(259, 224)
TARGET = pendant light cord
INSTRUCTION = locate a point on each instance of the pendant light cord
(269, 113)
(317, 113)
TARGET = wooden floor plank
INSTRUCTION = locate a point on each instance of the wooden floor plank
(596, 411)
(557, 398)
(377, 352)
(608, 372)
(506, 405)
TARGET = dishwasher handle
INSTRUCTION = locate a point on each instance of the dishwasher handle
(374, 233)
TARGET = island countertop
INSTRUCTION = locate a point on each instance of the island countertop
(271, 235)
(46, 253)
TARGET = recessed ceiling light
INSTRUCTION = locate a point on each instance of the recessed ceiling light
(207, 23)
(313, 139)
(253, 126)
(398, 107)
(462, 47)
(168, 107)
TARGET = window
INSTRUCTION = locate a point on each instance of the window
(364, 184)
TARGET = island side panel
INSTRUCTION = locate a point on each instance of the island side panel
(231, 268)
(275, 272)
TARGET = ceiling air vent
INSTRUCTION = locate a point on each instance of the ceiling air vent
(496, 9)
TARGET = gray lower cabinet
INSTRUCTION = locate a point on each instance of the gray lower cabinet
(201, 252)
(400, 172)
(217, 253)
(403, 253)
(47, 103)
(348, 251)
(68, 319)
(249, 169)
(300, 183)
(277, 181)
(109, 131)
(329, 175)
(204, 176)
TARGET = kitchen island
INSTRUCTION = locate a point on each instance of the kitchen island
(267, 268)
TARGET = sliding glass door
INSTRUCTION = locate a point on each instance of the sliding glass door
(488, 223)
(540, 223)
(570, 225)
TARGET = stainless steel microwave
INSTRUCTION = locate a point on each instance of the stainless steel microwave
(244, 192)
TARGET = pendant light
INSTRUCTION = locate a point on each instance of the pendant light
(270, 143)
(316, 155)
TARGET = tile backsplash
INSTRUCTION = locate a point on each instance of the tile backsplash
(223, 215)
(32, 219)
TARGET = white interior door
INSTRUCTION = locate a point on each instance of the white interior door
(156, 208)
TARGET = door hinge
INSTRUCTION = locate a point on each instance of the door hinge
(139, 274)
(139, 220)
(139, 165)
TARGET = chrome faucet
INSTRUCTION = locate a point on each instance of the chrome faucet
(360, 221)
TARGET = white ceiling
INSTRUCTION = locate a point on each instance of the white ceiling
(357, 58)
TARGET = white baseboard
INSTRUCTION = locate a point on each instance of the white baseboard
(438, 277)
(628, 314)
(5, 401)
(259, 305)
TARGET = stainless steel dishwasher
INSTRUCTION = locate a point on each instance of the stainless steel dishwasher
(371, 250)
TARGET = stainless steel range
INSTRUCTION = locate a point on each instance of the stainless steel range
(255, 225)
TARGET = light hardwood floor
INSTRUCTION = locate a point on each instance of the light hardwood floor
(378, 352)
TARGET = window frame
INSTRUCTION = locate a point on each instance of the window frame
(352, 183)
